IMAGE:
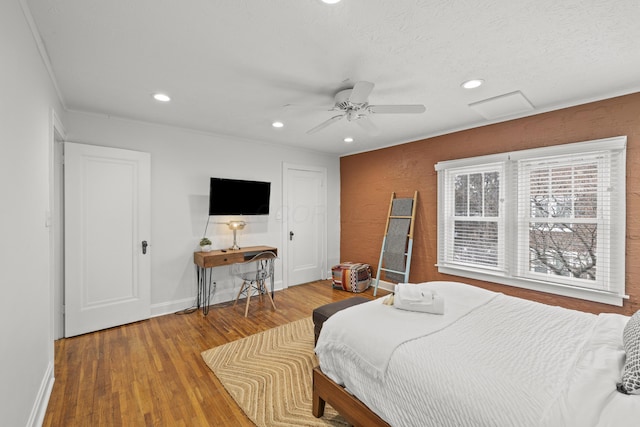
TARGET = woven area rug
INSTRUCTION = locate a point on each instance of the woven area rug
(269, 376)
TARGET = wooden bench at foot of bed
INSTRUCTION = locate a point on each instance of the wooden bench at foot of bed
(354, 411)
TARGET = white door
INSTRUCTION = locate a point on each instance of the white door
(306, 223)
(107, 271)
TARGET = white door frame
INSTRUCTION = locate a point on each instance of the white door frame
(286, 167)
(53, 221)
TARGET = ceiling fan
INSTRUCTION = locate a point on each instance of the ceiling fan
(353, 105)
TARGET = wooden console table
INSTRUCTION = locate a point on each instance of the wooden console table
(205, 261)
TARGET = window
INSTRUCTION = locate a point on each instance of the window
(474, 216)
(549, 219)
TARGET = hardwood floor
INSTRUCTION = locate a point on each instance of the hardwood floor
(150, 373)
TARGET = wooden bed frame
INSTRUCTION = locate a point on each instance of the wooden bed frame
(357, 413)
(353, 410)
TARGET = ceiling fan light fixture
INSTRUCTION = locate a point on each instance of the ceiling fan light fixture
(330, 1)
(162, 97)
(277, 124)
(472, 84)
(348, 140)
(353, 105)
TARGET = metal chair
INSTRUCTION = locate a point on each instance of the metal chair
(254, 281)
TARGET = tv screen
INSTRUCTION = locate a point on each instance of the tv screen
(238, 197)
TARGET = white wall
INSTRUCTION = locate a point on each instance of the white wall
(182, 162)
(26, 99)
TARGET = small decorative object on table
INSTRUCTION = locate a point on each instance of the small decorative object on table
(205, 245)
(352, 277)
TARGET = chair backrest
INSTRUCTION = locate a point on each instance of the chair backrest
(262, 255)
(264, 266)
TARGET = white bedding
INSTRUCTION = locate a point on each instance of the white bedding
(354, 340)
(507, 362)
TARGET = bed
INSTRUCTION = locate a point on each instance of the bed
(489, 360)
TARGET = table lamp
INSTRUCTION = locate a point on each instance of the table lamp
(235, 226)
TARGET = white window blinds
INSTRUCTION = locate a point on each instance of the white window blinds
(474, 220)
(550, 219)
(565, 216)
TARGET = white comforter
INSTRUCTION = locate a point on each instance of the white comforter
(505, 362)
(355, 341)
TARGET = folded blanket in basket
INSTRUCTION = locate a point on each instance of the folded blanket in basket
(417, 298)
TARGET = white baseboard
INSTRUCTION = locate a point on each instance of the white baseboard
(42, 399)
(383, 284)
(171, 306)
(217, 297)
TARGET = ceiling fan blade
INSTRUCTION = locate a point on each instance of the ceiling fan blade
(325, 124)
(368, 126)
(360, 92)
(397, 109)
(298, 107)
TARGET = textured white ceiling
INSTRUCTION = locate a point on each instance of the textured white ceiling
(231, 66)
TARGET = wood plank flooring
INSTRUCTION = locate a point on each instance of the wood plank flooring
(150, 373)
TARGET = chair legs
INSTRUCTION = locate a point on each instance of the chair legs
(246, 308)
(263, 289)
(247, 288)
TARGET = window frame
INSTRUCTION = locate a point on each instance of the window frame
(601, 221)
(451, 218)
(511, 273)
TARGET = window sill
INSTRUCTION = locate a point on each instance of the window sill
(534, 285)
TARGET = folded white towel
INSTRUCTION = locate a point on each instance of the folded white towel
(417, 298)
(414, 293)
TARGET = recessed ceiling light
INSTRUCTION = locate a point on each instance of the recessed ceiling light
(161, 97)
(348, 139)
(330, 1)
(471, 84)
(277, 124)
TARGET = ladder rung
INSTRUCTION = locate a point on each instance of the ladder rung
(408, 241)
(393, 271)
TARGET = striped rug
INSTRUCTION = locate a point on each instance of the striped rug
(269, 376)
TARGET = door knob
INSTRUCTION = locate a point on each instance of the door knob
(291, 235)
(144, 247)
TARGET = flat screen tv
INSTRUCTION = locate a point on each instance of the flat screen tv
(238, 197)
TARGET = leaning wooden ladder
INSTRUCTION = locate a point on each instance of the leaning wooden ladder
(397, 244)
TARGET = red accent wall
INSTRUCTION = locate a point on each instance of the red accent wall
(368, 179)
